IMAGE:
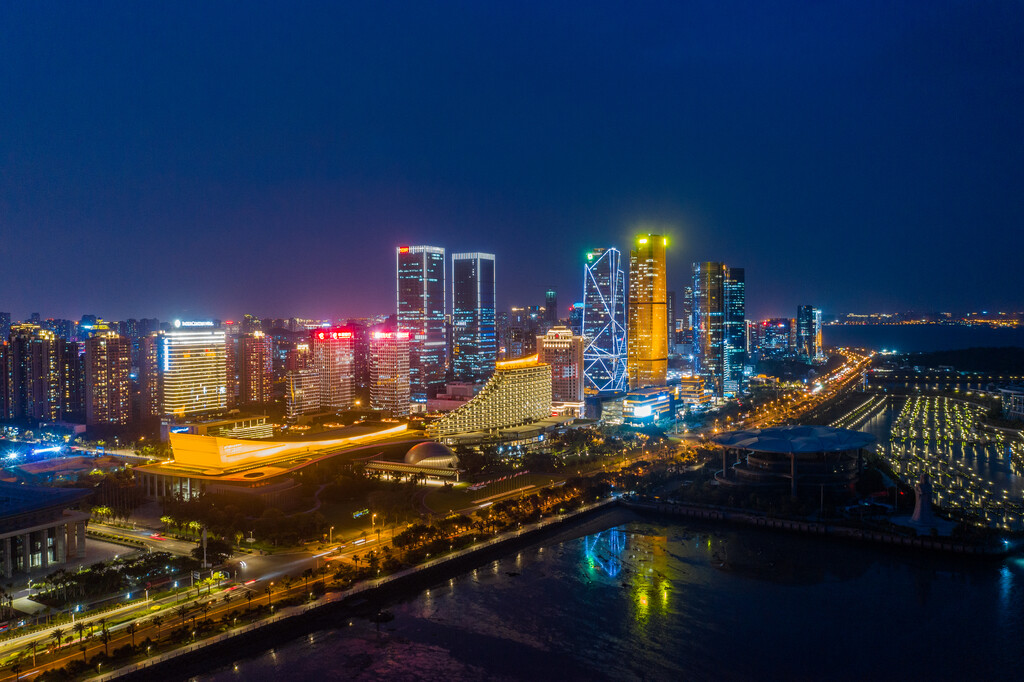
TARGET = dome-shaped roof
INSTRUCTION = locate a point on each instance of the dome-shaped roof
(430, 454)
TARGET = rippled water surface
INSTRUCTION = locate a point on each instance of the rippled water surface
(626, 597)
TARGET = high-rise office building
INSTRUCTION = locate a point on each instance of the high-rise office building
(107, 379)
(563, 350)
(604, 321)
(647, 336)
(734, 330)
(670, 315)
(773, 336)
(421, 308)
(389, 372)
(719, 326)
(334, 360)
(551, 306)
(708, 324)
(5, 327)
(301, 394)
(808, 332)
(576, 318)
(474, 337)
(193, 368)
(686, 328)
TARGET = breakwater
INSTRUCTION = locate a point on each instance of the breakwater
(839, 531)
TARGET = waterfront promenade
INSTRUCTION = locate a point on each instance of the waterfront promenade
(362, 590)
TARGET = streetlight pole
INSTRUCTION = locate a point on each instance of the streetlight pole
(331, 540)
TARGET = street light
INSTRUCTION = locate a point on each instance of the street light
(331, 541)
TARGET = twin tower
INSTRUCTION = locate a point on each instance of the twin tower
(620, 356)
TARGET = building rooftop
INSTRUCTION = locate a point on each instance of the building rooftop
(16, 500)
(795, 439)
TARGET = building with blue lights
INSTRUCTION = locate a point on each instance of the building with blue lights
(647, 406)
(421, 309)
(604, 322)
(474, 336)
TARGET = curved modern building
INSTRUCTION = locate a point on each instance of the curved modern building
(517, 393)
(791, 456)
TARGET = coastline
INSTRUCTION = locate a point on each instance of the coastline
(360, 600)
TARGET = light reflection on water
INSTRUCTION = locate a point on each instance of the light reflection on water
(644, 600)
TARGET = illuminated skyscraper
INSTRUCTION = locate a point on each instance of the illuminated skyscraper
(389, 372)
(108, 379)
(149, 376)
(551, 306)
(735, 330)
(421, 307)
(808, 332)
(648, 315)
(255, 368)
(719, 326)
(34, 373)
(564, 352)
(604, 322)
(5, 327)
(193, 369)
(334, 360)
(474, 337)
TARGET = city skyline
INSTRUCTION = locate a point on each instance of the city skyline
(842, 154)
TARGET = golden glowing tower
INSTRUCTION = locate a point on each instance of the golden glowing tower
(648, 333)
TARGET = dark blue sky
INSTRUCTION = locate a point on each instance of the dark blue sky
(220, 158)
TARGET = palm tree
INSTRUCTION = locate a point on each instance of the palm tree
(206, 608)
(32, 649)
(131, 630)
(181, 611)
(158, 621)
(268, 590)
(227, 598)
(16, 667)
(79, 629)
(57, 636)
(105, 638)
(306, 575)
(248, 595)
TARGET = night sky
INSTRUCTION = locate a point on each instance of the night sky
(212, 159)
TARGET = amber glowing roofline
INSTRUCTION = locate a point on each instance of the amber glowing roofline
(519, 362)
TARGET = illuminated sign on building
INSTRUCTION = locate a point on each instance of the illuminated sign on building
(193, 323)
(333, 334)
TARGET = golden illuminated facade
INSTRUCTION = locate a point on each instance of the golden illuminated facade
(193, 371)
(647, 338)
(517, 393)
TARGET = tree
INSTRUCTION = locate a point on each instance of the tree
(217, 551)
(105, 638)
(79, 629)
(131, 630)
(158, 621)
(269, 590)
(248, 595)
(181, 611)
(16, 667)
(57, 636)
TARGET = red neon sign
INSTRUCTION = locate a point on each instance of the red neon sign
(403, 249)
